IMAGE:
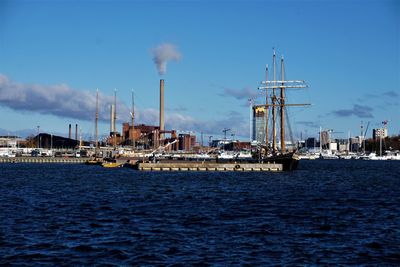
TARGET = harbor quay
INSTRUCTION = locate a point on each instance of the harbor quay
(42, 160)
(159, 166)
(208, 166)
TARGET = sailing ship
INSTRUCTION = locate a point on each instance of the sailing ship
(275, 102)
(96, 160)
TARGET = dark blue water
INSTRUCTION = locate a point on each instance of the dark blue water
(327, 212)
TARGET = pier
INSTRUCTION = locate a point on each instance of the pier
(160, 166)
(208, 166)
(42, 160)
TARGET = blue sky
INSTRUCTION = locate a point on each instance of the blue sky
(54, 54)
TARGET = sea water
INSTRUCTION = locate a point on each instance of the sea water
(325, 213)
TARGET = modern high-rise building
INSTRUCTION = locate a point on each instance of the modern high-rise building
(378, 133)
(259, 124)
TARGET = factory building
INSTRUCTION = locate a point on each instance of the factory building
(147, 136)
(186, 142)
(259, 120)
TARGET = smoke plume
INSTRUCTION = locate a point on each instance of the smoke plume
(164, 53)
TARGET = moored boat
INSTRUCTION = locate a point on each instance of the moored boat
(275, 101)
(112, 164)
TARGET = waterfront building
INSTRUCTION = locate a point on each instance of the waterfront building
(342, 144)
(147, 136)
(379, 133)
(259, 119)
(355, 143)
(312, 142)
(10, 141)
(186, 142)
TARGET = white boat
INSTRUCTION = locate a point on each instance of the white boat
(307, 156)
(393, 155)
(7, 153)
(327, 154)
(201, 156)
(345, 156)
(226, 155)
(244, 155)
(373, 156)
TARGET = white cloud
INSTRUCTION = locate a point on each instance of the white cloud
(59, 100)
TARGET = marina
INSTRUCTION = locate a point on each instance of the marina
(199, 133)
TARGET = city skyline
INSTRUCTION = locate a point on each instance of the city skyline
(212, 55)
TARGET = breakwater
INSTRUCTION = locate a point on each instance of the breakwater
(43, 160)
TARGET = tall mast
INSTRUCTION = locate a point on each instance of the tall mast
(282, 106)
(251, 118)
(320, 139)
(115, 117)
(115, 111)
(97, 122)
(133, 119)
(274, 106)
(279, 102)
(266, 112)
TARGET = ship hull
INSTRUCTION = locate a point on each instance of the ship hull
(289, 161)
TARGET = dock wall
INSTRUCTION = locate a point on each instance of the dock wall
(42, 160)
(207, 166)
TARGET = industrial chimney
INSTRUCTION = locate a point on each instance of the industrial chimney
(112, 122)
(161, 109)
(69, 132)
(76, 131)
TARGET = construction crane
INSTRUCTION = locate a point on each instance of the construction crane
(363, 137)
(160, 148)
(225, 130)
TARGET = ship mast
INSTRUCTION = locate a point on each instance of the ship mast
(133, 120)
(266, 113)
(97, 122)
(115, 117)
(282, 108)
(274, 105)
(283, 85)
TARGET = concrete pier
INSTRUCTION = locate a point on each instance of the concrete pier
(208, 166)
(42, 160)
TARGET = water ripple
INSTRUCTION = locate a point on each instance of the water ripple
(326, 213)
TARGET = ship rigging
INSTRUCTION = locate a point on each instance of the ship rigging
(275, 91)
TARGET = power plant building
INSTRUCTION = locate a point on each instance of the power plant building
(186, 142)
(147, 136)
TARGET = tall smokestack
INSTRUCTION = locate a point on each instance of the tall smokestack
(112, 123)
(161, 108)
(76, 131)
(69, 132)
